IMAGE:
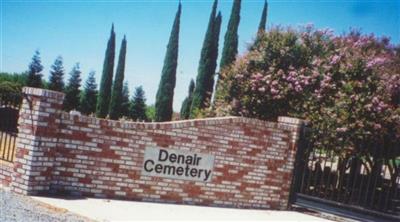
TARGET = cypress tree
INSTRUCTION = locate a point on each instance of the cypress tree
(165, 93)
(185, 109)
(56, 80)
(214, 57)
(125, 104)
(138, 105)
(72, 91)
(230, 49)
(207, 64)
(116, 97)
(89, 95)
(34, 73)
(263, 20)
(103, 100)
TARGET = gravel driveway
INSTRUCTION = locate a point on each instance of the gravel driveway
(14, 207)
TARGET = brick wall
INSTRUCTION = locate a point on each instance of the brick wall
(103, 158)
(6, 171)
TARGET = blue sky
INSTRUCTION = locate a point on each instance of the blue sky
(78, 31)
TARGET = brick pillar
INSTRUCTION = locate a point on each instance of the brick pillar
(294, 125)
(37, 139)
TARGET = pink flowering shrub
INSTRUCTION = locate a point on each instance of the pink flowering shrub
(347, 86)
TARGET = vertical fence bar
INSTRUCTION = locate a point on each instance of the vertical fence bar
(310, 171)
(317, 186)
(306, 156)
(357, 171)
(325, 181)
(13, 147)
(377, 175)
(7, 146)
(390, 186)
(341, 168)
(2, 145)
(367, 189)
(354, 181)
(397, 200)
(10, 139)
(363, 175)
(330, 179)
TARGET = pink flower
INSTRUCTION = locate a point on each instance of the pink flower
(239, 76)
(377, 126)
(315, 74)
(349, 65)
(292, 73)
(341, 130)
(376, 62)
(298, 88)
(258, 76)
(335, 59)
(274, 91)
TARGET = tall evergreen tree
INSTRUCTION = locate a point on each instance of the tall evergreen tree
(89, 95)
(34, 73)
(210, 85)
(207, 64)
(72, 90)
(230, 49)
(125, 104)
(138, 105)
(263, 20)
(56, 80)
(116, 97)
(165, 93)
(103, 100)
(185, 109)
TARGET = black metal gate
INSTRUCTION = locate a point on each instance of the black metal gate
(9, 110)
(363, 182)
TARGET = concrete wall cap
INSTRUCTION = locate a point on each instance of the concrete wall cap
(43, 93)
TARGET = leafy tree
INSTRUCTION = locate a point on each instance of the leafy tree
(116, 97)
(10, 94)
(138, 105)
(17, 78)
(185, 109)
(165, 93)
(208, 62)
(125, 103)
(263, 20)
(103, 100)
(151, 113)
(230, 49)
(34, 73)
(72, 91)
(344, 86)
(89, 95)
(56, 81)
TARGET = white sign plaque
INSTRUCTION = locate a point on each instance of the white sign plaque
(177, 164)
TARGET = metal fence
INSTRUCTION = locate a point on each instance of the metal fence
(9, 109)
(367, 181)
